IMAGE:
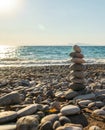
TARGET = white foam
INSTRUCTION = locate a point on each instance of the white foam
(23, 62)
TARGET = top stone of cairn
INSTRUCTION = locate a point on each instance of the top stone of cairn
(76, 48)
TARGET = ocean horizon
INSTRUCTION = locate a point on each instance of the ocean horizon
(47, 55)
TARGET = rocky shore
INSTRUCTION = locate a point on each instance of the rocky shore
(40, 98)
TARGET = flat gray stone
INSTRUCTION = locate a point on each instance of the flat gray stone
(77, 86)
(85, 97)
(77, 74)
(77, 80)
(77, 67)
(70, 110)
(28, 110)
(7, 116)
(77, 60)
(70, 94)
(10, 99)
(76, 55)
(8, 127)
(84, 102)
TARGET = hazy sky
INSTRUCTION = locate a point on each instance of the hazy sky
(52, 22)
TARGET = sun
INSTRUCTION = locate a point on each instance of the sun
(8, 6)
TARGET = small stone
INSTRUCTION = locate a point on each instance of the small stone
(84, 102)
(77, 60)
(55, 105)
(51, 117)
(28, 100)
(56, 124)
(94, 128)
(27, 123)
(103, 108)
(98, 104)
(50, 93)
(40, 114)
(77, 48)
(100, 92)
(38, 99)
(99, 112)
(59, 94)
(7, 116)
(46, 126)
(70, 94)
(63, 120)
(70, 110)
(24, 83)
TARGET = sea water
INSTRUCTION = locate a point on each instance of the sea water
(47, 55)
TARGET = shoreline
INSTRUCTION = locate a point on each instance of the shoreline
(87, 65)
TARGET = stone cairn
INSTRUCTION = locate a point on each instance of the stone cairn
(77, 76)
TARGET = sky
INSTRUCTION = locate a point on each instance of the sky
(52, 22)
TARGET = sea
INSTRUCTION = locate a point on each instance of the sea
(47, 55)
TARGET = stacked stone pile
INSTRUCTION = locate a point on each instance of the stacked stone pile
(77, 76)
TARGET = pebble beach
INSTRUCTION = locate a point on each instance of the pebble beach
(57, 97)
(43, 95)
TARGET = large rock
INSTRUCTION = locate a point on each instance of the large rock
(85, 97)
(76, 55)
(77, 80)
(7, 116)
(52, 118)
(27, 123)
(77, 60)
(77, 67)
(76, 48)
(70, 110)
(78, 74)
(10, 99)
(77, 86)
(28, 110)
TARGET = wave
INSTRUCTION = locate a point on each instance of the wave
(23, 62)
